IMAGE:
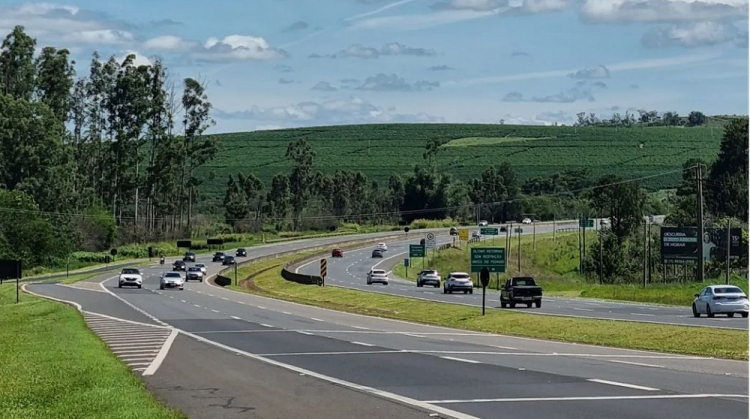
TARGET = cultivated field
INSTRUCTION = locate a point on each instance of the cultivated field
(379, 150)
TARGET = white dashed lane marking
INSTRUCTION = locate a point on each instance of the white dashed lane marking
(135, 344)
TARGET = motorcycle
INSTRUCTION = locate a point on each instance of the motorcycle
(161, 261)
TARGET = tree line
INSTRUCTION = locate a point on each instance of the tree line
(105, 156)
(643, 118)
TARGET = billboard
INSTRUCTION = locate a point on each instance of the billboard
(679, 245)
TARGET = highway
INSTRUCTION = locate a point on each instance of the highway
(351, 272)
(239, 353)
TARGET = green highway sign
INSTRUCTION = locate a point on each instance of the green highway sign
(416, 251)
(489, 231)
(492, 258)
(519, 230)
(586, 223)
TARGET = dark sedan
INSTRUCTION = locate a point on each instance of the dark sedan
(218, 257)
(377, 253)
(228, 260)
(241, 253)
(179, 265)
(189, 257)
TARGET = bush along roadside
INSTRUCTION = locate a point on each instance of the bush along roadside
(264, 278)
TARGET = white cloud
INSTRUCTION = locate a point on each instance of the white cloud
(168, 43)
(621, 66)
(353, 110)
(140, 59)
(692, 35)
(598, 72)
(390, 49)
(214, 50)
(67, 24)
(662, 10)
(475, 5)
(421, 21)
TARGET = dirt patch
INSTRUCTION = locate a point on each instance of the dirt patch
(249, 282)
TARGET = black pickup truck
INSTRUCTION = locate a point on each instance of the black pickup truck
(520, 290)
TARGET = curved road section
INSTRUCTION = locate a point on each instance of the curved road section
(351, 272)
(259, 352)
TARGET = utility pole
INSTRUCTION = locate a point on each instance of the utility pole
(583, 266)
(648, 249)
(645, 254)
(699, 179)
(729, 244)
(601, 258)
(519, 251)
(580, 256)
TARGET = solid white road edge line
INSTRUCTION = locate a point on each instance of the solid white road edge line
(469, 361)
(357, 387)
(162, 354)
(76, 305)
(618, 384)
(637, 363)
(585, 398)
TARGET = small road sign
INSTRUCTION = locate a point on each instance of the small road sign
(519, 230)
(492, 258)
(463, 234)
(416, 251)
(406, 263)
(586, 223)
(430, 243)
(489, 231)
(323, 268)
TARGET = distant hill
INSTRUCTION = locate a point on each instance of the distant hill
(379, 150)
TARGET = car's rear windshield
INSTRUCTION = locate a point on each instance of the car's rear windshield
(194, 269)
(524, 282)
(461, 276)
(131, 271)
(728, 290)
(429, 272)
(378, 272)
(173, 275)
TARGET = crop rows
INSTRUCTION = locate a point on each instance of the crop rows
(379, 150)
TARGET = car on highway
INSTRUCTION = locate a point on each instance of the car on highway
(605, 222)
(218, 257)
(203, 268)
(422, 242)
(377, 253)
(526, 221)
(194, 273)
(721, 299)
(379, 276)
(428, 277)
(454, 231)
(130, 277)
(475, 235)
(179, 265)
(241, 253)
(228, 260)
(458, 281)
(337, 253)
(483, 223)
(382, 246)
(503, 229)
(520, 290)
(189, 257)
(171, 280)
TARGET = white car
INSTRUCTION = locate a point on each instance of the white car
(379, 276)
(526, 221)
(721, 299)
(458, 281)
(483, 223)
(203, 268)
(171, 280)
(130, 277)
(382, 246)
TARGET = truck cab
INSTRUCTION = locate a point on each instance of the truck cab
(520, 290)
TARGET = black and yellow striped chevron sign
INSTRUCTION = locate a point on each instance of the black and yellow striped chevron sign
(323, 268)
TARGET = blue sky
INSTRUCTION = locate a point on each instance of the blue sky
(289, 63)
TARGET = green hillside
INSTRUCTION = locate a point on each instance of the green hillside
(379, 150)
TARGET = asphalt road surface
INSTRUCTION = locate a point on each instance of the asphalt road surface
(351, 272)
(443, 371)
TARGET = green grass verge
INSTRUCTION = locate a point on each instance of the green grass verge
(554, 264)
(720, 343)
(52, 366)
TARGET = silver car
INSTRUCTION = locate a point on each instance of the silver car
(171, 280)
(428, 277)
(379, 276)
(194, 273)
(458, 281)
(203, 268)
(721, 299)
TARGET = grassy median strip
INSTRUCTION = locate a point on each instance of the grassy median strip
(719, 343)
(52, 366)
(554, 265)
